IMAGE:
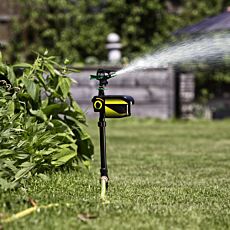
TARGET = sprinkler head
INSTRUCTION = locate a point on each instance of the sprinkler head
(103, 75)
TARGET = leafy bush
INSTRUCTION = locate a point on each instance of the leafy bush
(79, 28)
(212, 83)
(66, 28)
(41, 126)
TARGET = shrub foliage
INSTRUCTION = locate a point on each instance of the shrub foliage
(41, 126)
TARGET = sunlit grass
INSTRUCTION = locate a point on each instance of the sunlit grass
(163, 175)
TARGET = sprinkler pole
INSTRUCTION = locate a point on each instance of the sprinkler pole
(102, 131)
(102, 77)
(108, 106)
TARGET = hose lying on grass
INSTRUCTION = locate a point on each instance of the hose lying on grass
(26, 212)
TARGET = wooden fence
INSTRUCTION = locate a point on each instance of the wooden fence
(157, 92)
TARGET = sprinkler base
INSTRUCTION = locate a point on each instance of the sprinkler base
(104, 186)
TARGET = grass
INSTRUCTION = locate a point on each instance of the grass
(163, 175)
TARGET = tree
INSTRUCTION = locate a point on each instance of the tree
(78, 28)
(72, 29)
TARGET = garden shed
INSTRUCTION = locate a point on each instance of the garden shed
(219, 105)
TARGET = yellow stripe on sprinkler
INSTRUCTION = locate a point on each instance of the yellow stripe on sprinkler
(115, 101)
(112, 113)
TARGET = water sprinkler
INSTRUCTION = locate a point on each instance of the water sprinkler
(102, 76)
(108, 106)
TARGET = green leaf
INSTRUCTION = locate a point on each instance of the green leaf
(25, 170)
(66, 62)
(32, 88)
(63, 157)
(85, 148)
(61, 126)
(55, 109)
(41, 80)
(72, 146)
(22, 156)
(51, 69)
(26, 164)
(74, 123)
(6, 185)
(11, 165)
(64, 84)
(43, 177)
(46, 52)
(45, 103)
(63, 137)
(39, 113)
(11, 76)
(50, 151)
(6, 152)
(21, 143)
(22, 65)
(11, 108)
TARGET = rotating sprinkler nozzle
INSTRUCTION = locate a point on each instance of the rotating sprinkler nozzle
(108, 106)
(102, 76)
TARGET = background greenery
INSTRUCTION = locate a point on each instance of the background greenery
(78, 29)
(168, 175)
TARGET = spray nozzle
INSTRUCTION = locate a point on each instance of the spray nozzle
(103, 75)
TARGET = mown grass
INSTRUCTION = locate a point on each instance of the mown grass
(163, 175)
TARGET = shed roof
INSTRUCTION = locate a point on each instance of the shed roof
(220, 22)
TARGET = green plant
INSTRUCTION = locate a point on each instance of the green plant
(212, 83)
(79, 28)
(41, 124)
(67, 28)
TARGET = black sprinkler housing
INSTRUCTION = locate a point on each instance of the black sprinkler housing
(113, 106)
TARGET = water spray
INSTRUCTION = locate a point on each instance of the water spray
(108, 106)
(209, 49)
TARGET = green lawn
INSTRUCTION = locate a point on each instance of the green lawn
(163, 175)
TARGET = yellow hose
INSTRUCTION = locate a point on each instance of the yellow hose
(25, 212)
